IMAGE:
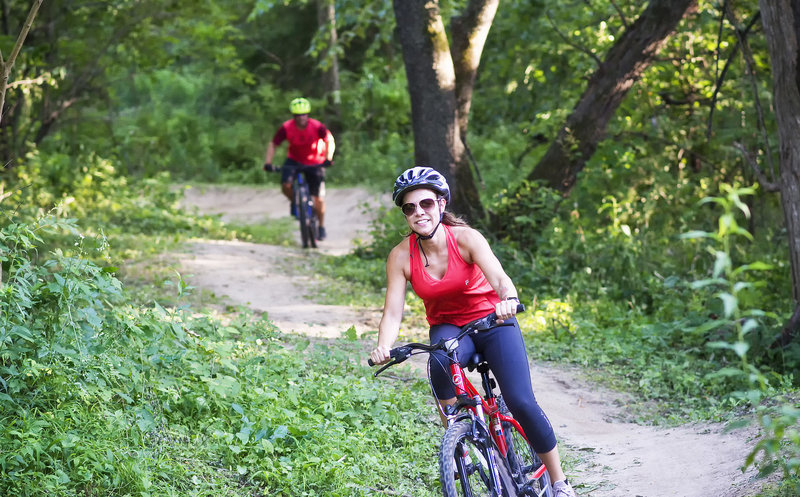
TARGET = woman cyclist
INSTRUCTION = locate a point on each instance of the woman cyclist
(454, 271)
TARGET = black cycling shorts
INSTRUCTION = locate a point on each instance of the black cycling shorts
(314, 175)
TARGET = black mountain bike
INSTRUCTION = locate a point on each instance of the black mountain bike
(303, 208)
(304, 205)
(484, 451)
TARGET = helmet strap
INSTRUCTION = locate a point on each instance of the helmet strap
(428, 237)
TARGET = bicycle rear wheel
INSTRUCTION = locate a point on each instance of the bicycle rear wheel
(529, 473)
(464, 465)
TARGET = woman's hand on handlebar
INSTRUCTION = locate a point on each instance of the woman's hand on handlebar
(380, 355)
(506, 309)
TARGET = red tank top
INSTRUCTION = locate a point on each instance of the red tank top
(306, 146)
(461, 296)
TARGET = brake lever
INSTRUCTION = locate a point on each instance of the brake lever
(384, 368)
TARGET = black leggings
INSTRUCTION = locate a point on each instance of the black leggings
(504, 350)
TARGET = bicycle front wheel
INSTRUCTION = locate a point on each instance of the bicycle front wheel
(529, 473)
(464, 468)
(304, 215)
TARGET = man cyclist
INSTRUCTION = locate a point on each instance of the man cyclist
(311, 148)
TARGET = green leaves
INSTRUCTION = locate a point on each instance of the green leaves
(98, 393)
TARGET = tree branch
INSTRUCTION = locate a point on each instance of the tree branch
(741, 36)
(766, 183)
(23, 82)
(570, 43)
(6, 66)
(625, 23)
(22, 35)
(741, 39)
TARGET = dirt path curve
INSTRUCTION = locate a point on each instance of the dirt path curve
(615, 458)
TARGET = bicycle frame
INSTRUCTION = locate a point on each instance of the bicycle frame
(486, 407)
(475, 408)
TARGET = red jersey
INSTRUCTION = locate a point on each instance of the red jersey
(462, 295)
(306, 146)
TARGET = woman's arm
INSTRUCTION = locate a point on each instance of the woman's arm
(393, 305)
(475, 249)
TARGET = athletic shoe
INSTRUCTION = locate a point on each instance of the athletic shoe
(563, 489)
(321, 235)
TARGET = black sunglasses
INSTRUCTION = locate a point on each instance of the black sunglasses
(426, 204)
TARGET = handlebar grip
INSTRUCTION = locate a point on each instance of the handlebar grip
(393, 354)
(520, 308)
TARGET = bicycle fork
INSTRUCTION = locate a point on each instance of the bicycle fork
(478, 429)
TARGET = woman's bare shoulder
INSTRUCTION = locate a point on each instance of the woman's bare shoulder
(466, 234)
(400, 254)
(400, 249)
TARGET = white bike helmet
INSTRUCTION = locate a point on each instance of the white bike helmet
(420, 177)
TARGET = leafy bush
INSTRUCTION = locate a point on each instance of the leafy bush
(101, 397)
(779, 447)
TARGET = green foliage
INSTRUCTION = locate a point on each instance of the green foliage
(611, 296)
(779, 447)
(102, 397)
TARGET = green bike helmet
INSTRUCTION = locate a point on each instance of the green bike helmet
(420, 177)
(300, 106)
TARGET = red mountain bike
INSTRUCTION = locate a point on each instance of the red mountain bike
(484, 451)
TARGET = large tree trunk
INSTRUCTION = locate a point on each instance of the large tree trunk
(441, 89)
(577, 141)
(781, 20)
(469, 32)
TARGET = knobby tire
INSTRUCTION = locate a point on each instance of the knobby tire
(474, 474)
(524, 463)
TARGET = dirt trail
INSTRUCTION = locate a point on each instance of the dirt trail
(615, 458)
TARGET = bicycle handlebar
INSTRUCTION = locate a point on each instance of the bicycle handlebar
(400, 354)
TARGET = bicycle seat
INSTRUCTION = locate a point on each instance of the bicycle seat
(477, 361)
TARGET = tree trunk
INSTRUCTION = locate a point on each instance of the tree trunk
(431, 86)
(440, 98)
(469, 32)
(781, 21)
(440, 85)
(577, 141)
(326, 18)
